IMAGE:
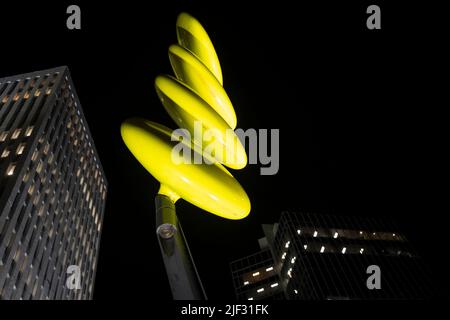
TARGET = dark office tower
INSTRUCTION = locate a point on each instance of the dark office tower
(255, 276)
(326, 257)
(52, 190)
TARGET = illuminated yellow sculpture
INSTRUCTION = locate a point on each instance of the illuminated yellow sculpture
(196, 94)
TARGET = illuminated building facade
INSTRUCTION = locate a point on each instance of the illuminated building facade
(324, 257)
(255, 276)
(52, 189)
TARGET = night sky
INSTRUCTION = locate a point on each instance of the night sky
(360, 113)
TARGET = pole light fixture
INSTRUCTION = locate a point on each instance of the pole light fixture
(195, 95)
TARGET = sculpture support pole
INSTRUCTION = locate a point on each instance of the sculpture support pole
(183, 277)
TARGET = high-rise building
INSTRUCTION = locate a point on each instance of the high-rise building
(52, 190)
(330, 257)
(255, 276)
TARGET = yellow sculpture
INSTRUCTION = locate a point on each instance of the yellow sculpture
(195, 95)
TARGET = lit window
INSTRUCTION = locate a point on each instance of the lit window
(343, 250)
(16, 97)
(287, 244)
(293, 260)
(48, 91)
(20, 148)
(46, 148)
(246, 283)
(299, 231)
(250, 298)
(5, 99)
(16, 134)
(283, 256)
(3, 136)
(255, 274)
(260, 290)
(37, 93)
(11, 168)
(361, 250)
(335, 235)
(34, 156)
(274, 285)
(295, 291)
(374, 233)
(322, 249)
(36, 199)
(5, 153)
(26, 95)
(39, 167)
(269, 269)
(315, 234)
(305, 246)
(289, 273)
(25, 177)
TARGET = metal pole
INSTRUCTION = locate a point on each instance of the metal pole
(183, 277)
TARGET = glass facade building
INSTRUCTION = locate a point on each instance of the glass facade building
(52, 189)
(326, 257)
